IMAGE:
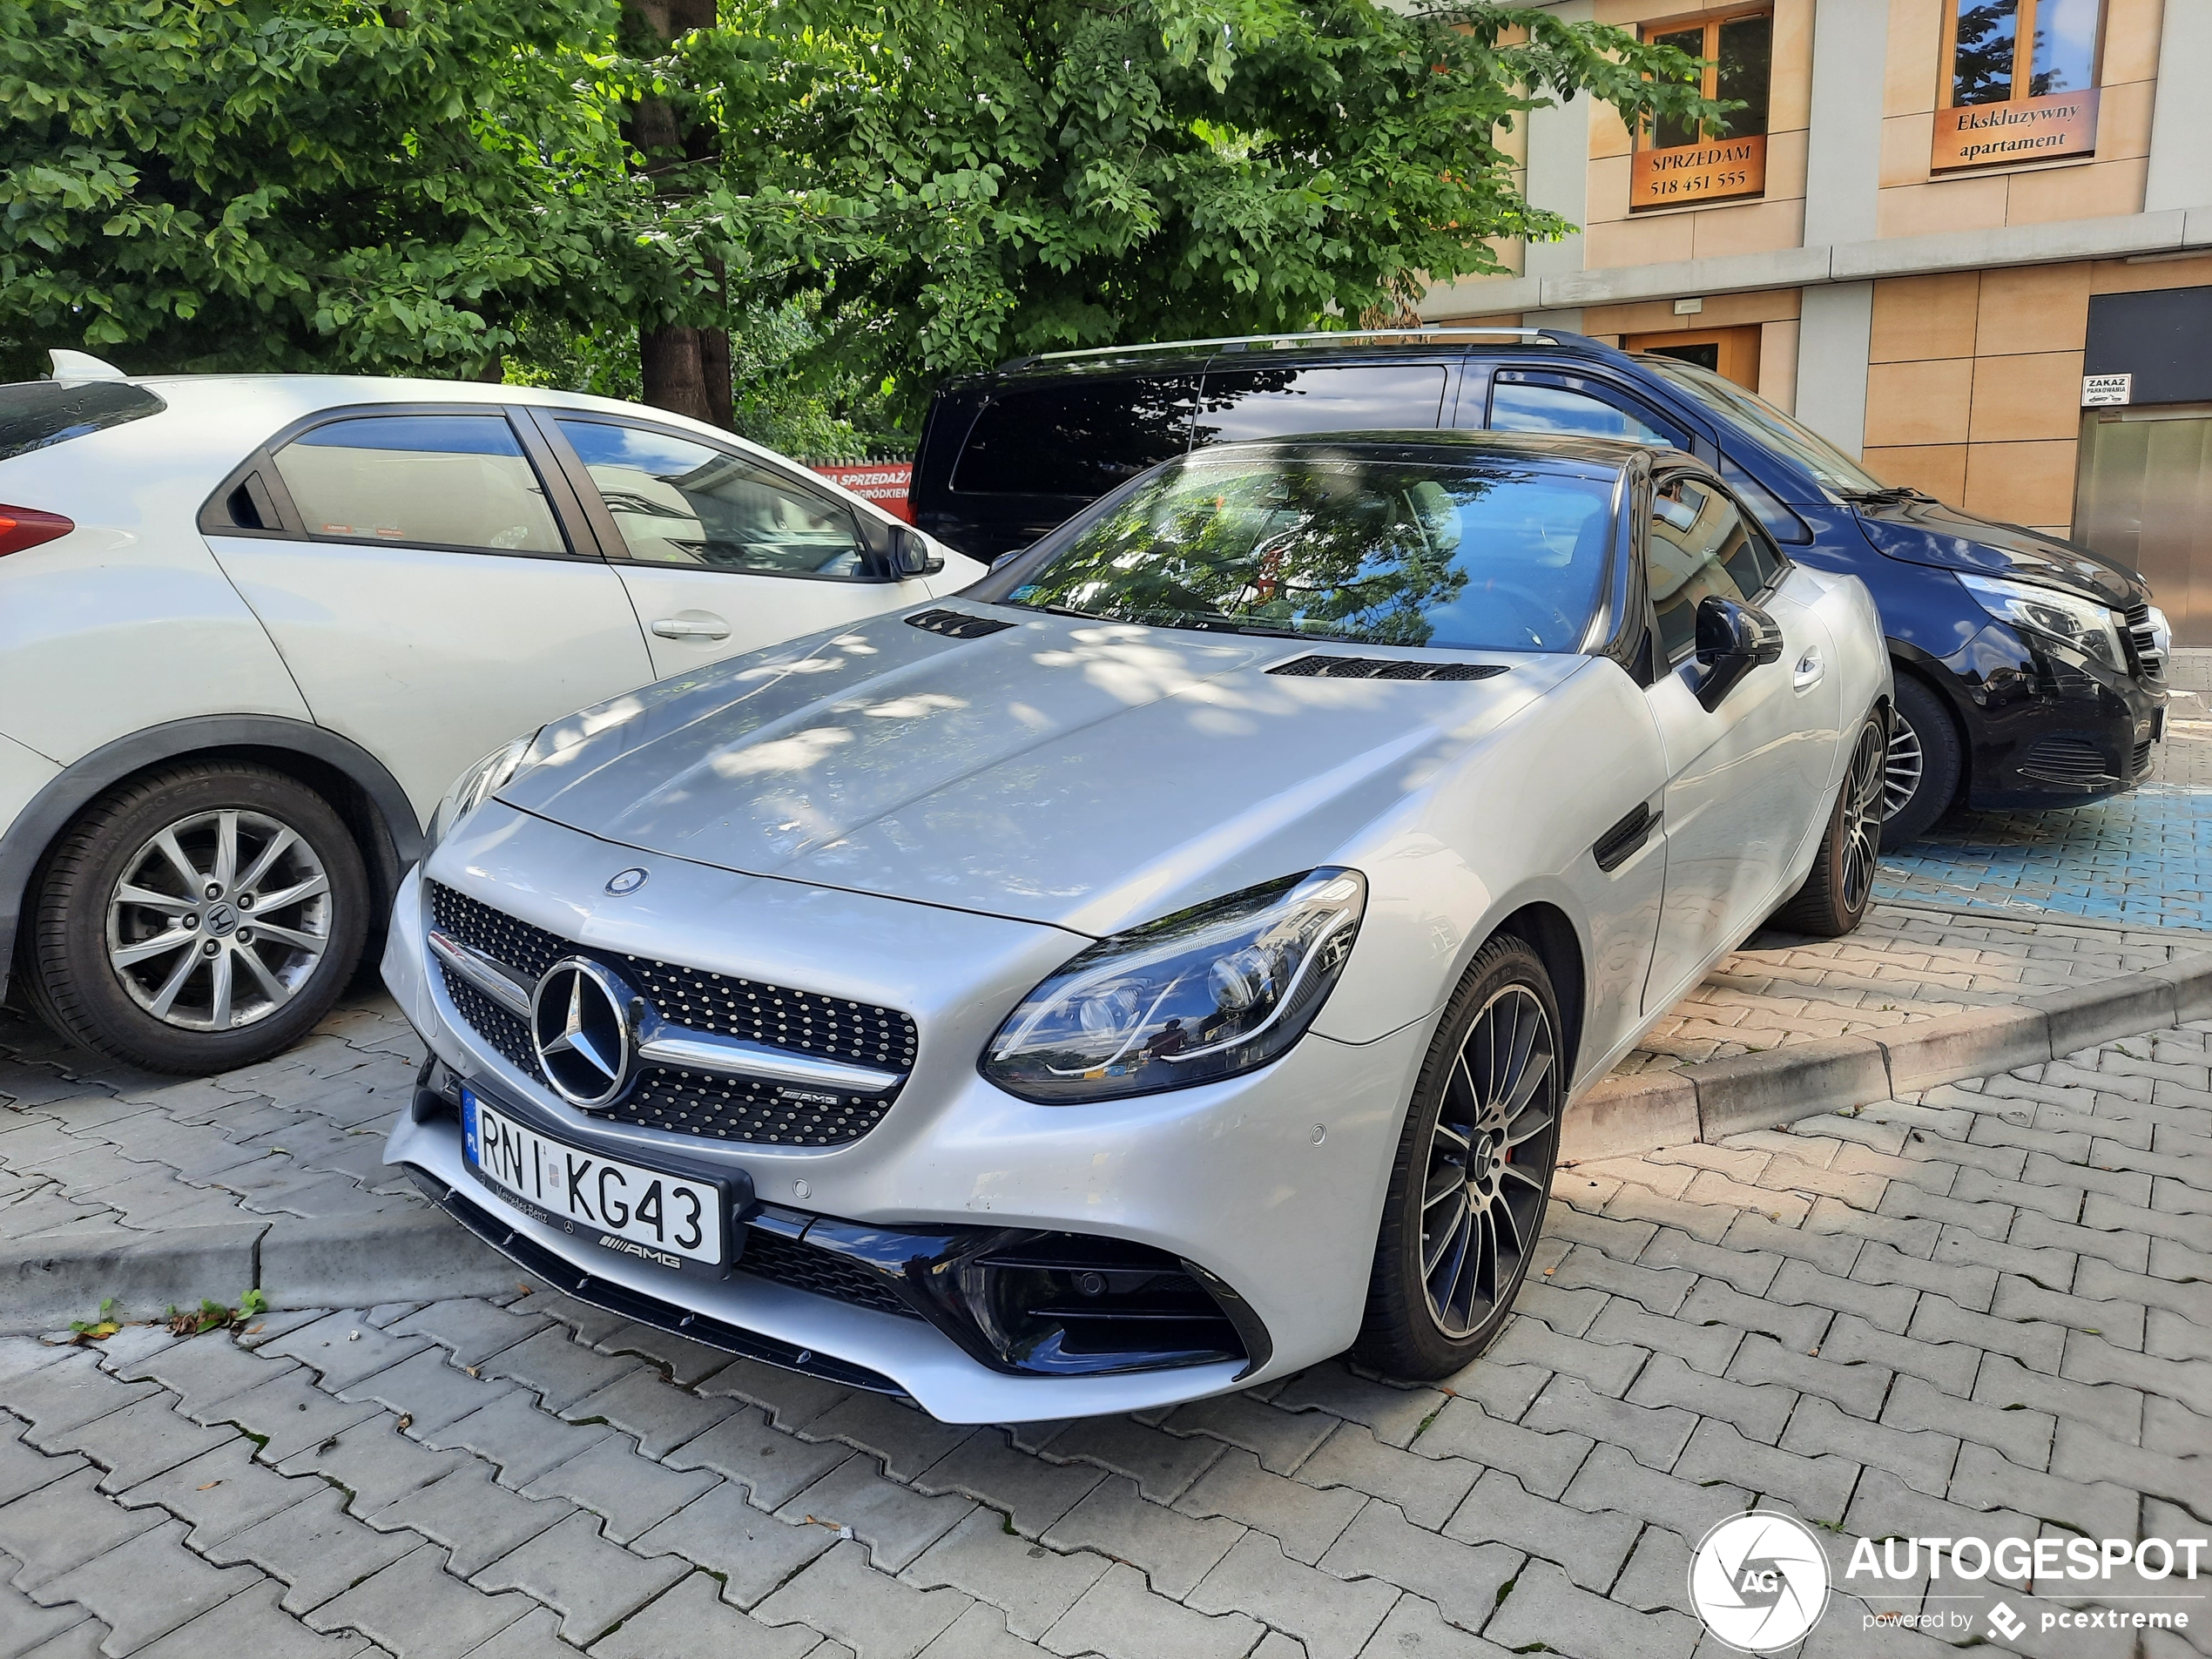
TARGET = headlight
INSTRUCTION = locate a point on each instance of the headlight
(2066, 617)
(1213, 991)
(476, 786)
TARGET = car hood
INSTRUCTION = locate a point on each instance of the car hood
(1927, 532)
(1088, 775)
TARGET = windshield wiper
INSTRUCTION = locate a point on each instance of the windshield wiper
(1894, 495)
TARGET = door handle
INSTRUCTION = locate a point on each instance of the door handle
(1808, 672)
(692, 628)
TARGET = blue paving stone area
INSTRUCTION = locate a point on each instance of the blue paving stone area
(2143, 858)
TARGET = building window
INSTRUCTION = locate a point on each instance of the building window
(2020, 82)
(1679, 162)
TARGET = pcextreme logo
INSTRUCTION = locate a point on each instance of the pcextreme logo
(1759, 1581)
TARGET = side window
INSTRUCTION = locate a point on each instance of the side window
(1078, 438)
(1527, 406)
(1280, 402)
(1700, 547)
(680, 502)
(434, 480)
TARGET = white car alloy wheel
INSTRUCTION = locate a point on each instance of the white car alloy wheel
(218, 920)
(1489, 1162)
(1864, 809)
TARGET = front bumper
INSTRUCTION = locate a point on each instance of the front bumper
(2046, 728)
(1230, 1178)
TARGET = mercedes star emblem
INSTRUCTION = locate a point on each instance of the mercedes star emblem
(626, 880)
(580, 1025)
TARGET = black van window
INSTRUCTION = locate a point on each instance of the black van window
(1517, 405)
(1080, 438)
(1242, 403)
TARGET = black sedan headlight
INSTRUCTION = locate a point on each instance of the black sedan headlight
(1205, 994)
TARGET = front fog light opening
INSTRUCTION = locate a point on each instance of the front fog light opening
(1206, 994)
(1072, 1305)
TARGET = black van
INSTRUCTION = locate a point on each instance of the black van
(2030, 671)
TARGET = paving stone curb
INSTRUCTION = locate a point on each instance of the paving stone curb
(1628, 1116)
(336, 1262)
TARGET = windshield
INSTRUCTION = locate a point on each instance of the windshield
(1495, 553)
(1830, 466)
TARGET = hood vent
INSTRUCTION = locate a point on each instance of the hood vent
(1384, 668)
(957, 624)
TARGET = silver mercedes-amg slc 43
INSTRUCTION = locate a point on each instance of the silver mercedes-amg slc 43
(1163, 965)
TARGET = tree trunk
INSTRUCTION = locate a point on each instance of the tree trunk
(714, 376)
(684, 370)
(674, 372)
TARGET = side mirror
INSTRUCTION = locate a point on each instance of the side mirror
(910, 554)
(1733, 638)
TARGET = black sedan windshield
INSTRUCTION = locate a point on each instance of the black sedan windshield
(1490, 553)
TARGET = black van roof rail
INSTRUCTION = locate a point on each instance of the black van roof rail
(1422, 332)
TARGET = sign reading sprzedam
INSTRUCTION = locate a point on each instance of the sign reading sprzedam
(1684, 173)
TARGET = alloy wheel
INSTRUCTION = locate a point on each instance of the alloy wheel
(1907, 765)
(218, 920)
(1865, 805)
(1489, 1161)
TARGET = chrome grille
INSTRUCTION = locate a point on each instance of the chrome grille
(684, 1102)
(2149, 664)
(2141, 764)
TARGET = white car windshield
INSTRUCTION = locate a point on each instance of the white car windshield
(1497, 553)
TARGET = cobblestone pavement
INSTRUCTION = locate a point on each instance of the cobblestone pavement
(1988, 1313)
(1905, 963)
(2144, 858)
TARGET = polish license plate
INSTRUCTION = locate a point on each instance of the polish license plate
(647, 1215)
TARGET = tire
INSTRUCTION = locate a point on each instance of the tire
(101, 972)
(1926, 762)
(1840, 885)
(1412, 1330)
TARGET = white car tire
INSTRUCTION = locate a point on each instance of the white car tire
(1474, 1172)
(197, 918)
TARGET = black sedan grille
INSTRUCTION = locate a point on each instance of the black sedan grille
(2149, 664)
(2067, 760)
(684, 1102)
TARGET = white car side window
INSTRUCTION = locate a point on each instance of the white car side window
(1700, 547)
(679, 502)
(426, 480)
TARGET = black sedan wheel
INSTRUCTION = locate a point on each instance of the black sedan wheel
(1474, 1172)
(1921, 776)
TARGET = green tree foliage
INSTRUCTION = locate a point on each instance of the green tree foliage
(883, 192)
(1045, 173)
(295, 183)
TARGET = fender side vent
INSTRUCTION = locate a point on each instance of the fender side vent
(957, 624)
(1612, 848)
(1384, 668)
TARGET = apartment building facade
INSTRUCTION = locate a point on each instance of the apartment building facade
(1968, 240)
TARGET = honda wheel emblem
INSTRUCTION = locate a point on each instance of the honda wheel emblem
(580, 1020)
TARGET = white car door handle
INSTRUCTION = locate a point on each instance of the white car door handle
(1809, 670)
(692, 628)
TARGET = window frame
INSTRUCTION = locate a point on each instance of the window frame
(2023, 57)
(2023, 76)
(1643, 138)
(1663, 472)
(258, 475)
(874, 538)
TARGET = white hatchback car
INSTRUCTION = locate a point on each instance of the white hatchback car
(252, 626)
